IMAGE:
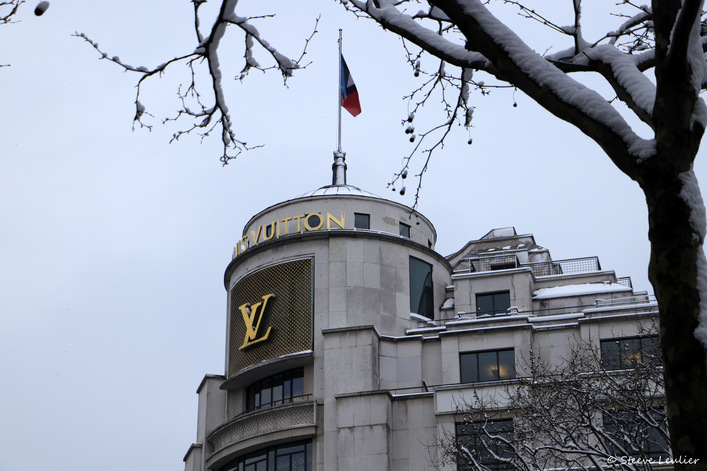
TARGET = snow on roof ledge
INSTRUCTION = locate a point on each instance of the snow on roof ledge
(578, 290)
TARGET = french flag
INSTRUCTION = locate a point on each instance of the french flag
(349, 94)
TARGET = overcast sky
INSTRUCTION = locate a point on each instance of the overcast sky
(113, 243)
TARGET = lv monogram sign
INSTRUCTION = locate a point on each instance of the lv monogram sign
(252, 316)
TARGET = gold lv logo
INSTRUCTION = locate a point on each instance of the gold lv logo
(252, 315)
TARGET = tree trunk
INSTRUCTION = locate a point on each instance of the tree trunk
(676, 247)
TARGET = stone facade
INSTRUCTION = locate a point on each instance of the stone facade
(367, 373)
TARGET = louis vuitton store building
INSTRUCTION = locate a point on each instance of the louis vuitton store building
(348, 335)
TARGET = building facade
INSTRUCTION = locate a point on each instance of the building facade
(350, 341)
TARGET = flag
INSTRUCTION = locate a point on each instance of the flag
(349, 94)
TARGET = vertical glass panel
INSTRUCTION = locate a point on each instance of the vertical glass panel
(298, 384)
(502, 301)
(488, 366)
(650, 348)
(266, 397)
(277, 389)
(610, 354)
(298, 462)
(506, 364)
(484, 304)
(421, 289)
(283, 463)
(404, 230)
(630, 352)
(469, 368)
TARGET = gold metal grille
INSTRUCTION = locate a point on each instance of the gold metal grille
(288, 313)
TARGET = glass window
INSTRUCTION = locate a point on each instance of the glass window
(404, 230)
(493, 365)
(421, 292)
(490, 304)
(485, 442)
(288, 457)
(281, 388)
(362, 221)
(629, 435)
(618, 354)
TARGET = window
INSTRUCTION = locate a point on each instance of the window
(281, 388)
(619, 354)
(287, 457)
(487, 366)
(404, 229)
(362, 221)
(629, 435)
(421, 299)
(487, 442)
(490, 304)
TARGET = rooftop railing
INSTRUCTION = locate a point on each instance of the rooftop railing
(552, 267)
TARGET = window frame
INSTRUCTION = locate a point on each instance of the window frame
(495, 311)
(473, 443)
(367, 220)
(614, 357)
(270, 456)
(405, 230)
(421, 288)
(470, 368)
(655, 445)
(286, 385)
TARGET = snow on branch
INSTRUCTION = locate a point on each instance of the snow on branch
(209, 112)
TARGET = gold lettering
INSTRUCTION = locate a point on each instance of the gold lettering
(297, 218)
(330, 218)
(255, 236)
(308, 226)
(286, 224)
(242, 245)
(252, 315)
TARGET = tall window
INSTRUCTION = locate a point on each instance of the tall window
(281, 388)
(421, 299)
(618, 354)
(487, 366)
(288, 457)
(631, 435)
(490, 304)
(404, 229)
(362, 221)
(488, 443)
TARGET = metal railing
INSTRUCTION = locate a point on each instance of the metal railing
(550, 267)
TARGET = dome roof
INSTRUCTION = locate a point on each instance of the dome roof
(331, 190)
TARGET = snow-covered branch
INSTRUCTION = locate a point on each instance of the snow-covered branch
(209, 111)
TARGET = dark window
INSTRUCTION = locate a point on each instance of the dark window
(287, 457)
(490, 304)
(487, 366)
(619, 354)
(362, 221)
(630, 435)
(404, 230)
(488, 443)
(421, 299)
(281, 388)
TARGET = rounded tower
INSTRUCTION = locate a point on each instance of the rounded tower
(335, 264)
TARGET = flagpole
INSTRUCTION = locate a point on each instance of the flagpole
(339, 166)
(339, 94)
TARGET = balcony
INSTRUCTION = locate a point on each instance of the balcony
(294, 419)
